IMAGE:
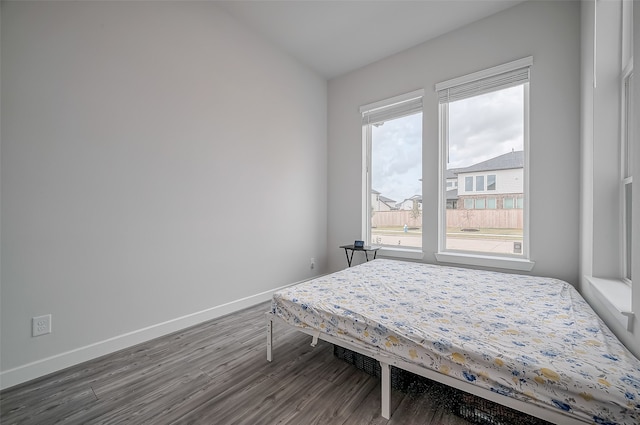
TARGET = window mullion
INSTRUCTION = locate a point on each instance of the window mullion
(366, 214)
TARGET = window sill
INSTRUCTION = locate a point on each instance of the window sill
(411, 254)
(617, 298)
(485, 261)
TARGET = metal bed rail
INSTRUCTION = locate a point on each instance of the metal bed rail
(386, 361)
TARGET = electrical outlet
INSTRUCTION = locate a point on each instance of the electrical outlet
(41, 325)
(312, 263)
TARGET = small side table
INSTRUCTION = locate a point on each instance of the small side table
(366, 249)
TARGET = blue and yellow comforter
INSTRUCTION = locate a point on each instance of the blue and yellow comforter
(530, 338)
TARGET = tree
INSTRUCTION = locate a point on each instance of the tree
(415, 212)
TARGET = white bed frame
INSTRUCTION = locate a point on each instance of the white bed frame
(553, 416)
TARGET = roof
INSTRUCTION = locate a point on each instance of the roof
(451, 174)
(417, 198)
(507, 161)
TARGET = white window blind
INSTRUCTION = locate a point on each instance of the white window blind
(497, 78)
(397, 107)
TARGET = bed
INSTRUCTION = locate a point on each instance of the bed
(529, 343)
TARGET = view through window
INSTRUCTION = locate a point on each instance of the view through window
(484, 177)
(396, 181)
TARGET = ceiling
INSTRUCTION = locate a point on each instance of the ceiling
(336, 37)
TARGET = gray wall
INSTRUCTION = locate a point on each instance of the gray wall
(548, 31)
(635, 249)
(140, 141)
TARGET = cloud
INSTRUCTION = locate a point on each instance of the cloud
(481, 127)
(485, 126)
(396, 160)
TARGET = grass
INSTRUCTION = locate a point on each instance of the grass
(484, 233)
(454, 232)
(395, 230)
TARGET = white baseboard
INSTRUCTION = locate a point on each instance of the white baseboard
(43, 367)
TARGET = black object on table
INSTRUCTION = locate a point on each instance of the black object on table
(366, 250)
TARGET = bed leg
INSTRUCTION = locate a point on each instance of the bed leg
(386, 390)
(269, 338)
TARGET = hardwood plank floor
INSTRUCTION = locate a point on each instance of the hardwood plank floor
(217, 373)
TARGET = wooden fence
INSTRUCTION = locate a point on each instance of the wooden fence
(493, 219)
(395, 218)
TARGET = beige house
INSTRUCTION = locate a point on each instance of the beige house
(497, 183)
(381, 203)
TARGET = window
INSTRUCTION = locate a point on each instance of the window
(483, 130)
(508, 203)
(627, 170)
(491, 182)
(392, 136)
(627, 231)
(468, 204)
(468, 184)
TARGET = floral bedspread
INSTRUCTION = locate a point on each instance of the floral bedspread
(530, 338)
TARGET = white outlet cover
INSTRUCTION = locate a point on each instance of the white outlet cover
(41, 325)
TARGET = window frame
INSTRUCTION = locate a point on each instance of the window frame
(521, 262)
(492, 200)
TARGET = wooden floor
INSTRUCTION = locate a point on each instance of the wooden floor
(217, 373)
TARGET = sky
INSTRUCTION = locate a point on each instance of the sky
(396, 160)
(480, 128)
(485, 126)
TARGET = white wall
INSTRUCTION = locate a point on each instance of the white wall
(131, 132)
(548, 31)
(606, 152)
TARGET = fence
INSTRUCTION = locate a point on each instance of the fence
(395, 218)
(493, 219)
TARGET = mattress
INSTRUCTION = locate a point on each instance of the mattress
(530, 338)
